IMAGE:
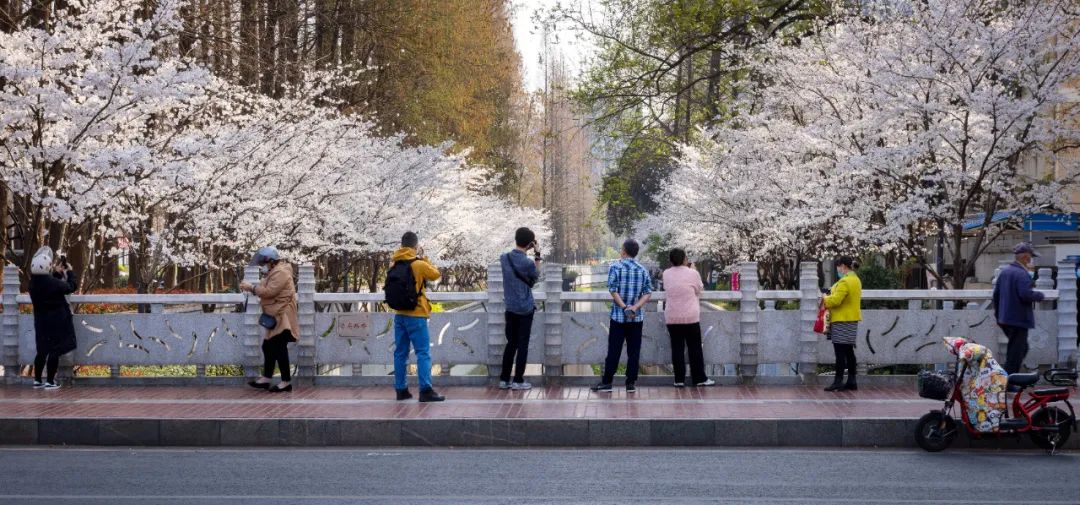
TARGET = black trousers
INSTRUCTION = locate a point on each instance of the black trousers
(845, 359)
(276, 351)
(518, 331)
(687, 336)
(630, 333)
(1017, 349)
(41, 361)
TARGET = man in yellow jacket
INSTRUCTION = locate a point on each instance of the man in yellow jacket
(411, 325)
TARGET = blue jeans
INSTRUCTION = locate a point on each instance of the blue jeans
(412, 331)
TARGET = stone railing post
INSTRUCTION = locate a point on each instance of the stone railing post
(1045, 281)
(809, 296)
(1066, 313)
(748, 321)
(253, 333)
(496, 320)
(9, 329)
(305, 309)
(553, 351)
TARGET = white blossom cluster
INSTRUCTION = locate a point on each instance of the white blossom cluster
(102, 122)
(883, 125)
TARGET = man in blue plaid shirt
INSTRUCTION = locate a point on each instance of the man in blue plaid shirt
(630, 286)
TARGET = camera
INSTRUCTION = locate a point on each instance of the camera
(64, 262)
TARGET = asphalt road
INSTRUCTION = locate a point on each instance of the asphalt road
(527, 477)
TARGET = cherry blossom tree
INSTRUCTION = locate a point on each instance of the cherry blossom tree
(104, 126)
(885, 127)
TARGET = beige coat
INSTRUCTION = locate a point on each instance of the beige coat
(277, 295)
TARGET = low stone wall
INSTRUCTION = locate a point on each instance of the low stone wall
(743, 339)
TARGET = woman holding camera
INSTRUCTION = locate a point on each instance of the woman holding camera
(54, 328)
(277, 295)
(844, 302)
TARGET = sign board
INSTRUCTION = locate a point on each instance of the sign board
(356, 325)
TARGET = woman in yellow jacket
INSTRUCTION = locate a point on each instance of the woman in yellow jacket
(844, 302)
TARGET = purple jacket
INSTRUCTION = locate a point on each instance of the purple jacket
(1013, 297)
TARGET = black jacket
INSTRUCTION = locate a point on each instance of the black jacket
(54, 328)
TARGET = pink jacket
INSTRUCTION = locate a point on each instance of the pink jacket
(682, 286)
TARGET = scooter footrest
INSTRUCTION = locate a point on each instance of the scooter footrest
(1013, 423)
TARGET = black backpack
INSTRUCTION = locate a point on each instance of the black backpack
(400, 288)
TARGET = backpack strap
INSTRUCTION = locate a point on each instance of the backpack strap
(422, 283)
(517, 273)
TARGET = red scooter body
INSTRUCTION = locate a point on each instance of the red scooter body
(1048, 426)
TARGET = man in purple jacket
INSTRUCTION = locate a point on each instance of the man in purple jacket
(1013, 298)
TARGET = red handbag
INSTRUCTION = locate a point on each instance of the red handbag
(820, 324)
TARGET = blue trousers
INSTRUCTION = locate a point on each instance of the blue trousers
(412, 331)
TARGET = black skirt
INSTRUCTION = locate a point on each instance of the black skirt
(844, 332)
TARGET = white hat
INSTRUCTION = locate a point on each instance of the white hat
(42, 262)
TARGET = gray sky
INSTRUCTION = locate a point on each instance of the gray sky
(529, 41)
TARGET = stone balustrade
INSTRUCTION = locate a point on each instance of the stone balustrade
(742, 331)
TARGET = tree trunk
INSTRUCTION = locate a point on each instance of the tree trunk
(267, 56)
(290, 30)
(38, 14)
(8, 14)
(249, 43)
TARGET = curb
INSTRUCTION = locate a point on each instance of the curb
(478, 433)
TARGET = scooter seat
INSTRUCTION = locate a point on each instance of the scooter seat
(1023, 379)
(1049, 391)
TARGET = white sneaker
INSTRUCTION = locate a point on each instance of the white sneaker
(51, 385)
(38, 384)
(504, 385)
(680, 384)
(708, 382)
(520, 386)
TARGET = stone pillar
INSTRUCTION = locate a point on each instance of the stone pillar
(9, 329)
(253, 333)
(553, 362)
(1045, 282)
(748, 321)
(496, 320)
(305, 347)
(1066, 313)
(809, 298)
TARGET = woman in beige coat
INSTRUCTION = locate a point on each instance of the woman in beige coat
(277, 295)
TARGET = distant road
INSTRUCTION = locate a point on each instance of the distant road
(525, 476)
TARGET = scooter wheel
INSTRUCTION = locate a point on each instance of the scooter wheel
(935, 432)
(1050, 417)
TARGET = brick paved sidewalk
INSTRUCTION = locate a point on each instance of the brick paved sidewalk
(326, 402)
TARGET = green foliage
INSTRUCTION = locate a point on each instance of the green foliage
(663, 69)
(630, 188)
(160, 371)
(876, 276)
(657, 247)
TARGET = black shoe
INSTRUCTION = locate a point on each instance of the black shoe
(279, 389)
(851, 386)
(429, 395)
(631, 388)
(836, 386)
(259, 385)
(403, 394)
(602, 388)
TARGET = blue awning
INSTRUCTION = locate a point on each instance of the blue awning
(1034, 222)
(979, 220)
(1052, 222)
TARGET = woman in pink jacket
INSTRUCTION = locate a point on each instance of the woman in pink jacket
(682, 311)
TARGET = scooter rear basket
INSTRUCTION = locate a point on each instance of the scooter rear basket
(935, 385)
